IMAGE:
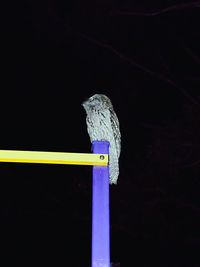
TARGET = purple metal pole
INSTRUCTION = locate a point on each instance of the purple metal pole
(100, 210)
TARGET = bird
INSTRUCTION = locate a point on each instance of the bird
(103, 125)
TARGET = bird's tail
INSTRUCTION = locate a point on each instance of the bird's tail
(113, 167)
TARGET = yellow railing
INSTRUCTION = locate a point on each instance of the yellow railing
(53, 157)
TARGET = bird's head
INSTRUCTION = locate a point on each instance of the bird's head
(97, 101)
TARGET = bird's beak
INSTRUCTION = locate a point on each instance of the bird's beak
(84, 102)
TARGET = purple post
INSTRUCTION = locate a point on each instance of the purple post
(100, 210)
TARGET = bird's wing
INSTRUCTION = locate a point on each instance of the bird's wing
(116, 131)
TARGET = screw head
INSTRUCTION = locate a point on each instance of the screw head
(102, 157)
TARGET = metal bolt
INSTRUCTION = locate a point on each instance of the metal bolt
(102, 157)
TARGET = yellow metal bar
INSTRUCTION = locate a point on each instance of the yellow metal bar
(53, 157)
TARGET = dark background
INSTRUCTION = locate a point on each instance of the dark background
(145, 56)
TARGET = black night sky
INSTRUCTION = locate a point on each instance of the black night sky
(145, 56)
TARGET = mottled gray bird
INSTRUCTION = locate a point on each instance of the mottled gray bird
(103, 125)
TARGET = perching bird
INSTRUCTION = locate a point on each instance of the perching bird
(103, 125)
